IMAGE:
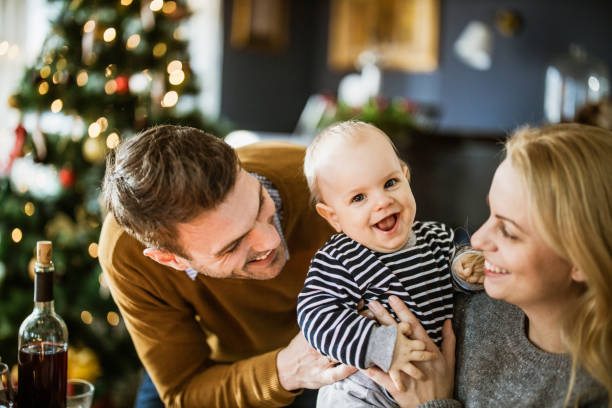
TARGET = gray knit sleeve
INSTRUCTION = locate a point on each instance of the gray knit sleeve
(443, 403)
(380, 347)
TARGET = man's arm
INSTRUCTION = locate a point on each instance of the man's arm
(169, 340)
(172, 347)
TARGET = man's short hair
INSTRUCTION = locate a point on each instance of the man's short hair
(164, 176)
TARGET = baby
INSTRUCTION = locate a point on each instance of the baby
(361, 187)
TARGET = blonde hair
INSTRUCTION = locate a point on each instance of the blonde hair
(567, 170)
(345, 132)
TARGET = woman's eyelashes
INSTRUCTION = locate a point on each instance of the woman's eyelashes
(505, 232)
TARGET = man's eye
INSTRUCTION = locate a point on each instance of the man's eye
(391, 182)
(358, 198)
(233, 248)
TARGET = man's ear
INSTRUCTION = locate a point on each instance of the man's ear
(577, 275)
(166, 258)
(329, 214)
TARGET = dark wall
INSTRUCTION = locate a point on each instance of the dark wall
(268, 91)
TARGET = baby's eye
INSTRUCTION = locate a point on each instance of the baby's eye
(358, 198)
(391, 182)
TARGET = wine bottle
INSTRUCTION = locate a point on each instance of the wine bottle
(43, 343)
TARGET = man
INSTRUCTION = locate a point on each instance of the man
(205, 251)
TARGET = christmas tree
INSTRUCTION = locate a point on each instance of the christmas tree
(108, 69)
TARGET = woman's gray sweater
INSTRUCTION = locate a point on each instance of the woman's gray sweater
(497, 365)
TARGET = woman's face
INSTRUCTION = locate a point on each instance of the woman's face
(519, 267)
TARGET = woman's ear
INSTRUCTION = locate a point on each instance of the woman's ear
(577, 275)
(330, 215)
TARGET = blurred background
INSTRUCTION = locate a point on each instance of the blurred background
(447, 80)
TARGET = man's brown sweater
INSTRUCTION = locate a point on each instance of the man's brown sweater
(213, 342)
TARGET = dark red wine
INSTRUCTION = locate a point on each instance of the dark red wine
(42, 376)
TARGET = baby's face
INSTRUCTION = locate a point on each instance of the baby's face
(366, 193)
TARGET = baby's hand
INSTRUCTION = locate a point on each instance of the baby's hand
(470, 267)
(406, 351)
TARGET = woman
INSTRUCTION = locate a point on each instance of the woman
(541, 336)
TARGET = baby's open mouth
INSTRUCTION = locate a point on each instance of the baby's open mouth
(387, 223)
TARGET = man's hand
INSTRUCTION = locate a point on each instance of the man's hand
(299, 365)
(405, 352)
(438, 373)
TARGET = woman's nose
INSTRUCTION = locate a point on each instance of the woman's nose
(481, 239)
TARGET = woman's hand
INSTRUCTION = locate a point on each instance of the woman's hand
(439, 373)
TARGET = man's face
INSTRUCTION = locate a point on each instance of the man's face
(237, 239)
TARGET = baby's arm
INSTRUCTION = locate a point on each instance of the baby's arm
(327, 312)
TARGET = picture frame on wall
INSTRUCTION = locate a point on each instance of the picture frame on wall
(260, 25)
(404, 34)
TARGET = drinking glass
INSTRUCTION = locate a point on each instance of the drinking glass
(6, 387)
(80, 394)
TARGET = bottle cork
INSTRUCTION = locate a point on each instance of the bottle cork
(44, 252)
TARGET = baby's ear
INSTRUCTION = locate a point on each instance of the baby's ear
(329, 214)
(406, 170)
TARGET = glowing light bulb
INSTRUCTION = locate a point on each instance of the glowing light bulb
(177, 77)
(112, 140)
(110, 87)
(169, 7)
(112, 318)
(133, 41)
(86, 317)
(126, 2)
(16, 235)
(156, 5)
(103, 122)
(57, 105)
(82, 78)
(170, 99)
(109, 34)
(159, 49)
(45, 72)
(93, 250)
(43, 88)
(89, 26)
(94, 130)
(174, 66)
(29, 209)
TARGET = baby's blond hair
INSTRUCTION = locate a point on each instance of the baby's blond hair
(348, 132)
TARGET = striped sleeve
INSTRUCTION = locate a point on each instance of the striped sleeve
(327, 309)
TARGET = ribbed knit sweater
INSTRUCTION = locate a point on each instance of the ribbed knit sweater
(213, 342)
